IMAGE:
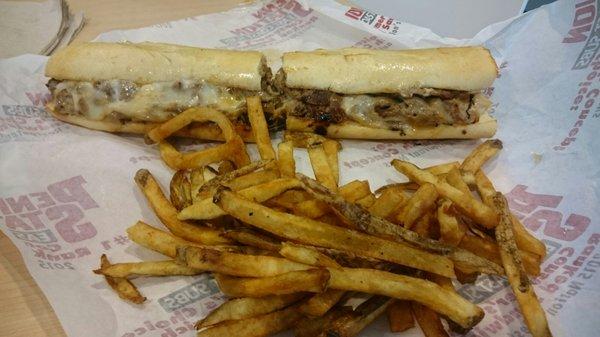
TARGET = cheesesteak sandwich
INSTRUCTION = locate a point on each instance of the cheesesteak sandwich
(378, 94)
(125, 87)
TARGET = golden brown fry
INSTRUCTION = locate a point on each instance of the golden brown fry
(155, 239)
(124, 288)
(311, 209)
(320, 165)
(407, 186)
(452, 229)
(226, 166)
(532, 311)
(429, 321)
(260, 130)
(360, 218)
(464, 202)
(425, 226)
(354, 322)
(387, 203)
(442, 168)
(489, 250)
(205, 209)
(383, 283)
(285, 159)
(257, 326)
(400, 317)
(366, 201)
(525, 240)
(147, 268)
(316, 233)
(454, 178)
(311, 280)
(388, 284)
(238, 179)
(234, 264)
(253, 239)
(319, 304)
(288, 199)
(242, 308)
(331, 148)
(181, 187)
(355, 190)
(480, 155)
(418, 205)
(168, 214)
(314, 326)
(233, 149)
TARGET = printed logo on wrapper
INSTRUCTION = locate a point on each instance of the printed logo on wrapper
(276, 21)
(204, 287)
(585, 29)
(26, 123)
(46, 220)
(379, 22)
(564, 272)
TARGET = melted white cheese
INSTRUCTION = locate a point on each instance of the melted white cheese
(361, 109)
(151, 102)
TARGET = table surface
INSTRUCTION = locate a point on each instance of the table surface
(24, 310)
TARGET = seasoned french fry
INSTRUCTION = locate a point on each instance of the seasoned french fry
(400, 317)
(355, 190)
(311, 209)
(429, 321)
(155, 239)
(525, 241)
(257, 326)
(464, 202)
(205, 209)
(407, 186)
(226, 166)
(260, 130)
(442, 168)
(418, 205)
(354, 322)
(365, 221)
(242, 308)
(147, 268)
(532, 311)
(482, 153)
(454, 178)
(234, 264)
(315, 326)
(289, 199)
(331, 148)
(319, 304)
(238, 179)
(181, 187)
(311, 280)
(366, 201)
(388, 284)
(387, 203)
(253, 239)
(285, 159)
(489, 250)
(316, 233)
(124, 288)
(425, 226)
(320, 165)
(168, 214)
(452, 229)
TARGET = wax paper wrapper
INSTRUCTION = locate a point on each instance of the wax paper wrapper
(67, 194)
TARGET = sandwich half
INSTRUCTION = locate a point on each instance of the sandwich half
(379, 94)
(126, 87)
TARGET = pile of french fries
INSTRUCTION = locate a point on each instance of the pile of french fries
(297, 253)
